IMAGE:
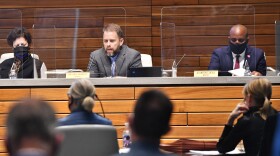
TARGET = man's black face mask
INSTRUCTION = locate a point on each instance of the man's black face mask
(238, 48)
(21, 53)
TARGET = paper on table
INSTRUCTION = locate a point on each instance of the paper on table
(124, 150)
(235, 151)
(237, 72)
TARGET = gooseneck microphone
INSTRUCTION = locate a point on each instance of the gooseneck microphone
(180, 60)
(100, 105)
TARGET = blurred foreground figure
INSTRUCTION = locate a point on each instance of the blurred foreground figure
(30, 129)
(149, 122)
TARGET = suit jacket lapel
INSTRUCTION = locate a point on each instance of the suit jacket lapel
(106, 64)
(229, 59)
(120, 60)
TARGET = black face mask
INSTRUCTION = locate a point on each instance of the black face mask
(21, 53)
(238, 48)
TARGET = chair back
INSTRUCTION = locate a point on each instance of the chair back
(88, 140)
(6, 56)
(146, 60)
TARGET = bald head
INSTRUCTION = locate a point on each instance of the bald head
(238, 38)
(238, 30)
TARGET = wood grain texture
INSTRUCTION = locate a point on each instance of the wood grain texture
(80, 3)
(207, 119)
(203, 92)
(2, 148)
(174, 2)
(103, 93)
(198, 92)
(14, 94)
(237, 1)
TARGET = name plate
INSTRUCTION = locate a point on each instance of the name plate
(72, 75)
(206, 73)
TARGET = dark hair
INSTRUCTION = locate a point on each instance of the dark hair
(152, 114)
(17, 33)
(30, 118)
(112, 27)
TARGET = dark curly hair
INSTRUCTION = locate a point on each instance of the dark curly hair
(17, 33)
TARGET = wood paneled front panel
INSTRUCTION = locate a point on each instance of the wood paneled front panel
(200, 112)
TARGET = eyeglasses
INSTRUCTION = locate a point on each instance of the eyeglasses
(240, 40)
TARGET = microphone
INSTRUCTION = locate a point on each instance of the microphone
(100, 105)
(174, 66)
(180, 60)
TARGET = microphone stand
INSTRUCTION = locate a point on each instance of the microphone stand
(100, 105)
(174, 66)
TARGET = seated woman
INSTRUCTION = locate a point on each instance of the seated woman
(80, 104)
(21, 66)
(255, 108)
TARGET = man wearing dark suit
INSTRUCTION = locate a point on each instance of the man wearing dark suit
(114, 59)
(237, 54)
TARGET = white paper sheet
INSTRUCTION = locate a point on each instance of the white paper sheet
(237, 72)
(235, 151)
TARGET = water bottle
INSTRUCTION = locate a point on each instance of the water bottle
(174, 72)
(126, 136)
(247, 69)
(174, 69)
(13, 74)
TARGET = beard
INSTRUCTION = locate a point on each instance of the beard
(111, 52)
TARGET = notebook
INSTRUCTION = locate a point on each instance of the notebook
(144, 72)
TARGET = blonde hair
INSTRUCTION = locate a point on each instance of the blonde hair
(261, 90)
(83, 92)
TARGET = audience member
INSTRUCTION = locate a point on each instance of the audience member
(149, 122)
(22, 62)
(30, 129)
(255, 108)
(80, 103)
(115, 58)
(237, 53)
(271, 136)
(276, 139)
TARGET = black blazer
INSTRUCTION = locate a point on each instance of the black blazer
(25, 71)
(248, 128)
(268, 136)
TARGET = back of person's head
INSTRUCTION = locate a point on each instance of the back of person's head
(261, 90)
(112, 27)
(82, 93)
(152, 114)
(17, 33)
(29, 121)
